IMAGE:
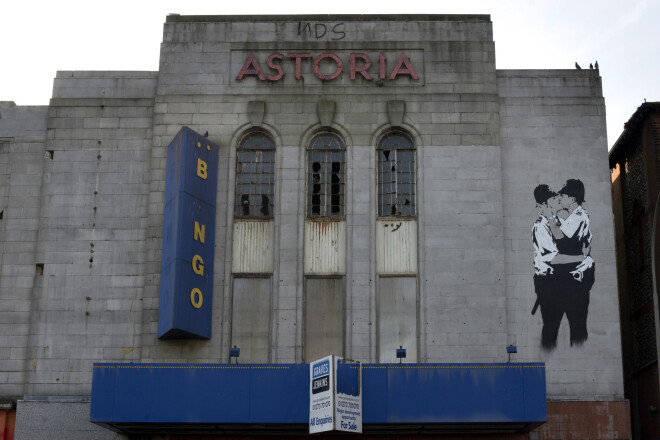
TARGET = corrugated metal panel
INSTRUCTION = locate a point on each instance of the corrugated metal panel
(253, 247)
(396, 246)
(325, 247)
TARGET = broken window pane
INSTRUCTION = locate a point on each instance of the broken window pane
(326, 163)
(396, 175)
(255, 176)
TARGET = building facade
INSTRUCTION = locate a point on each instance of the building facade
(634, 167)
(380, 185)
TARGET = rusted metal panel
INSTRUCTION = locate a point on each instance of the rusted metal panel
(252, 250)
(396, 246)
(325, 247)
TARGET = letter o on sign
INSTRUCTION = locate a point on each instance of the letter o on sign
(317, 71)
(196, 298)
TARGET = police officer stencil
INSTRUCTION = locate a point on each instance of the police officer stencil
(563, 267)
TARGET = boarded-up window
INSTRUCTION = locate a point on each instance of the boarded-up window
(396, 175)
(326, 170)
(397, 318)
(255, 176)
(324, 317)
(250, 322)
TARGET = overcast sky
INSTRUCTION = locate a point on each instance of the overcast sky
(39, 38)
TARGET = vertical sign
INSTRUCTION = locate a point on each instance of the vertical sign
(335, 395)
(321, 395)
(186, 271)
(348, 396)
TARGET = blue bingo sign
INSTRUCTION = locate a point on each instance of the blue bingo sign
(186, 271)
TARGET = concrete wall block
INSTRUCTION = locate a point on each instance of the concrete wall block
(527, 144)
(57, 420)
(445, 118)
(22, 121)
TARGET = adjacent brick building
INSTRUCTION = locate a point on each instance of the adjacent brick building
(634, 163)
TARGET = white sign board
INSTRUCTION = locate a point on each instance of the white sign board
(321, 395)
(348, 397)
(335, 395)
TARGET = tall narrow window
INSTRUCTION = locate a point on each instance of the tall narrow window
(326, 169)
(255, 176)
(396, 175)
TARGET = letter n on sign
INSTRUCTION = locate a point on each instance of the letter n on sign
(186, 269)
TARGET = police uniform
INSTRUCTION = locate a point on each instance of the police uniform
(544, 246)
(567, 290)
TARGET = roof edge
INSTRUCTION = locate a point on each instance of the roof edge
(630, 128)
(176, 18)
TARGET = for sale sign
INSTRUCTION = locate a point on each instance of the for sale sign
(335, 395)
(348, 396)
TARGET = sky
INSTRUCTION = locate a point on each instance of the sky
(38, 38)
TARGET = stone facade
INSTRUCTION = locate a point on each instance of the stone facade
(83, 181)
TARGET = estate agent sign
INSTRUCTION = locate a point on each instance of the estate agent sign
(335, 395)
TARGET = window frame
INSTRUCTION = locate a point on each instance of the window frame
(325, 204)
(381, 207)
(255, 151)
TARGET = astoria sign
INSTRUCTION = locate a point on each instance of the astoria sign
(359, 65)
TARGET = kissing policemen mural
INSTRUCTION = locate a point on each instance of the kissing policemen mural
(563, 267)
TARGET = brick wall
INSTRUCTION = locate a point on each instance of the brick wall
(586, 421)
(7, 424)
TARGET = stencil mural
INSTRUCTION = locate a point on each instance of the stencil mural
(563, 267)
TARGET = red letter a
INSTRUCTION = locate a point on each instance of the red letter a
(399, 70)
(251, 67)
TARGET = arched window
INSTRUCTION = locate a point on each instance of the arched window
(255, 176)
(396, 175)
(326, 172)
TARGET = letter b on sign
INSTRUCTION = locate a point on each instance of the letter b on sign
(201, 169)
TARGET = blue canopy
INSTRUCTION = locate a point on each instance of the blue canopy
(231, 398)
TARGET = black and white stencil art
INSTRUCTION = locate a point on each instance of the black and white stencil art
(563, 267)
